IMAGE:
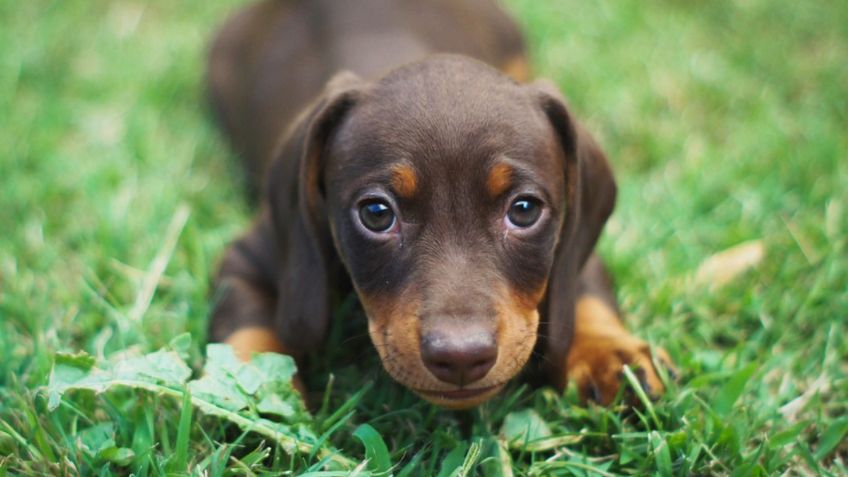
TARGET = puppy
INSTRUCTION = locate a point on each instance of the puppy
(403, 157)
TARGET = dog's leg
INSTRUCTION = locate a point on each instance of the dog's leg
(243, 315)
(244, 310)
(601, 346)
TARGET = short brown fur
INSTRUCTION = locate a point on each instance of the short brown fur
(451, 267)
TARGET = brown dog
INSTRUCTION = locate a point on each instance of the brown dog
(461, 205)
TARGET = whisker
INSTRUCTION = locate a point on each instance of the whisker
(354, 337)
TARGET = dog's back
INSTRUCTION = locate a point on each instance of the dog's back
(271, 59)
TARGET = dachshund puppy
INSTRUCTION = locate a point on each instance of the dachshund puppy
(403, 157)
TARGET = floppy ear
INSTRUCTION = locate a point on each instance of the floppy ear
(590, 198)
(307, 262)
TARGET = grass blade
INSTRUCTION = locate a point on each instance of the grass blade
(452, 462)
(180, 462)
(730, 392)
(662, 454)
(832, 436)
(640, 393)
(412, 466)
(376, 451)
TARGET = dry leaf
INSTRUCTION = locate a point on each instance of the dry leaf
(724, 266)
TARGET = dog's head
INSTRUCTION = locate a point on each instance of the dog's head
(461, 205)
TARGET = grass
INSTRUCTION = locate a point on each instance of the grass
(726, 122)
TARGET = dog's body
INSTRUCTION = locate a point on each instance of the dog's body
(273, 58)
(460, 205)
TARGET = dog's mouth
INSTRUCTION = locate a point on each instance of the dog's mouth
(458, 393)
(460, 398)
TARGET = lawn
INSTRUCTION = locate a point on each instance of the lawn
(727, 123)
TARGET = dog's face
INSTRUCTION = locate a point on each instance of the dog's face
(445, 194)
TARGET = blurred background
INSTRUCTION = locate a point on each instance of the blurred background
(726, 122)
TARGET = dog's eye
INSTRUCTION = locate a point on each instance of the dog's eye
(376, 216)
(524, 212)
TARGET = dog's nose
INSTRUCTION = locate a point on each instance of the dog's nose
(458, 358)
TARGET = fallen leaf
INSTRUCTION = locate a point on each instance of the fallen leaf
(723, 267)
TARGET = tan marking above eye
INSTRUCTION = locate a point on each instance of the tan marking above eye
(517, 68)
(499, 180)
(404, 180)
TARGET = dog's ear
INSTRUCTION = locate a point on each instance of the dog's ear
(307, 262)
(590, 198)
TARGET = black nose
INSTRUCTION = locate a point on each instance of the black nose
(459, 358)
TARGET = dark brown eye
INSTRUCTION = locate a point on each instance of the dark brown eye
(524, 212)
(376, 216)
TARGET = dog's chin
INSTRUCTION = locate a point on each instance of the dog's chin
(461, 398)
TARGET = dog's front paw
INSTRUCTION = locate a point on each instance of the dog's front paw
(596, 364)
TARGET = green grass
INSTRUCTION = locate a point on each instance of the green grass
(726, 121)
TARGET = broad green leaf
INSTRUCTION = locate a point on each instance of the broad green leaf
(68, 369)
(97, 437)
(161, 367)
(80, 360)
(275, 367)
(274, 404)
(266, 370)
(220, 391)
(222, 363)
(522, 427)
(249, 378)
(222, 356)
(229, 389)
(78, 372)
